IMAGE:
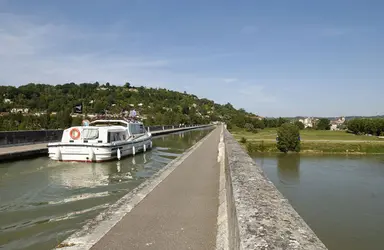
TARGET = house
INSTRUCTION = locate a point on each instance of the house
(308, 122)
(336, 124)
(20, 110)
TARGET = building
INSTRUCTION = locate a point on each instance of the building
(309, 122)
(338, 123)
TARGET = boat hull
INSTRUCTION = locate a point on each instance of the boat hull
(96, 153)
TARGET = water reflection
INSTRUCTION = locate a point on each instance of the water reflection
(288, 168)
(340, 197)
(42, 201)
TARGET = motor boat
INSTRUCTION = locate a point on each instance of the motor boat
(101, 140)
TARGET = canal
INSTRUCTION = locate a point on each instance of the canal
(42, 201)
(340, 197)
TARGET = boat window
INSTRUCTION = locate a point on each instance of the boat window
(136, 129)
(116, 136)
(90, 134)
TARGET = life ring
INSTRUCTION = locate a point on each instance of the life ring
(74, 133)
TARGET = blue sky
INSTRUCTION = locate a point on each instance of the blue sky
(273, 58)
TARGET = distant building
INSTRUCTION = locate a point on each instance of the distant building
(20, 110)
(308, 122)
(337, 124)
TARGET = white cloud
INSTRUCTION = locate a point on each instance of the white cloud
(32, 50)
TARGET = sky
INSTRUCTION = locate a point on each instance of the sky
(272, 58)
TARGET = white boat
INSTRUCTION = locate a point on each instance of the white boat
(102, 140)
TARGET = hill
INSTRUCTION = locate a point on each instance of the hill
(37, 106)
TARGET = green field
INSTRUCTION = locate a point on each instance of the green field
(313, 141)
(270, 134)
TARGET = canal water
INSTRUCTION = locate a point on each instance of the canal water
(42, 201)
(340, 197)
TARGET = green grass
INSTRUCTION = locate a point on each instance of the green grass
(320, 147)
(313, 141)
(270, 134)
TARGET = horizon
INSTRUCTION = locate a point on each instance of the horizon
(321, 59)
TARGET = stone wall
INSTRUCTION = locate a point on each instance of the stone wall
(8, 138)
(259, 217)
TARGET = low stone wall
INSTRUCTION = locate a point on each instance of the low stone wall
(8, 138)
(259, 217)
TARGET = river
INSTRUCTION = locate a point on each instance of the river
(340, 197)
(42, 201)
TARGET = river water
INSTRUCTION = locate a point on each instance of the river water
(42, 201)
(340, 197)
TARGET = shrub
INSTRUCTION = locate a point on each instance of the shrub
(300, 125)
(288, 138)
(243, 140)
(249, 127)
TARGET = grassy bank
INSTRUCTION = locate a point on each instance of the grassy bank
(313, 141)
(320, 147)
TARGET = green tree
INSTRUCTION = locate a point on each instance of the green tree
(300, 125)
(288, 138)
(323, 124)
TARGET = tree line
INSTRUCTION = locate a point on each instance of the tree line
(373, 126)
(52, 107)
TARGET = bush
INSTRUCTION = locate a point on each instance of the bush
(249, 127)
(323, 124)
(288, 138)
(243, 140)
(300, 125)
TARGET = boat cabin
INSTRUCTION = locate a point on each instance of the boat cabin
(103, 131)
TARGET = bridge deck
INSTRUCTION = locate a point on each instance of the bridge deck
(180, 213)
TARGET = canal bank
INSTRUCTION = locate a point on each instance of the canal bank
(319, 147)
(11, 153)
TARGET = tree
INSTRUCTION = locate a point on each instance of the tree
(288, 138)
(127, 85)
(323, 124)
(300, 125)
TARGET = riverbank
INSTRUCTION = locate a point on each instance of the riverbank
(313, 142)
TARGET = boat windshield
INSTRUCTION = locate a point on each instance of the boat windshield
(136, 128)
(90, 134)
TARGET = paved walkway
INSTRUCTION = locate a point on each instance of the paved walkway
(14, 149)
(180, 213)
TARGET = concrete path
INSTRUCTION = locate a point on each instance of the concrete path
(14, 149)
(21, 152)
(180, 213)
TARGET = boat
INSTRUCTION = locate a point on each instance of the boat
(101, 140)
